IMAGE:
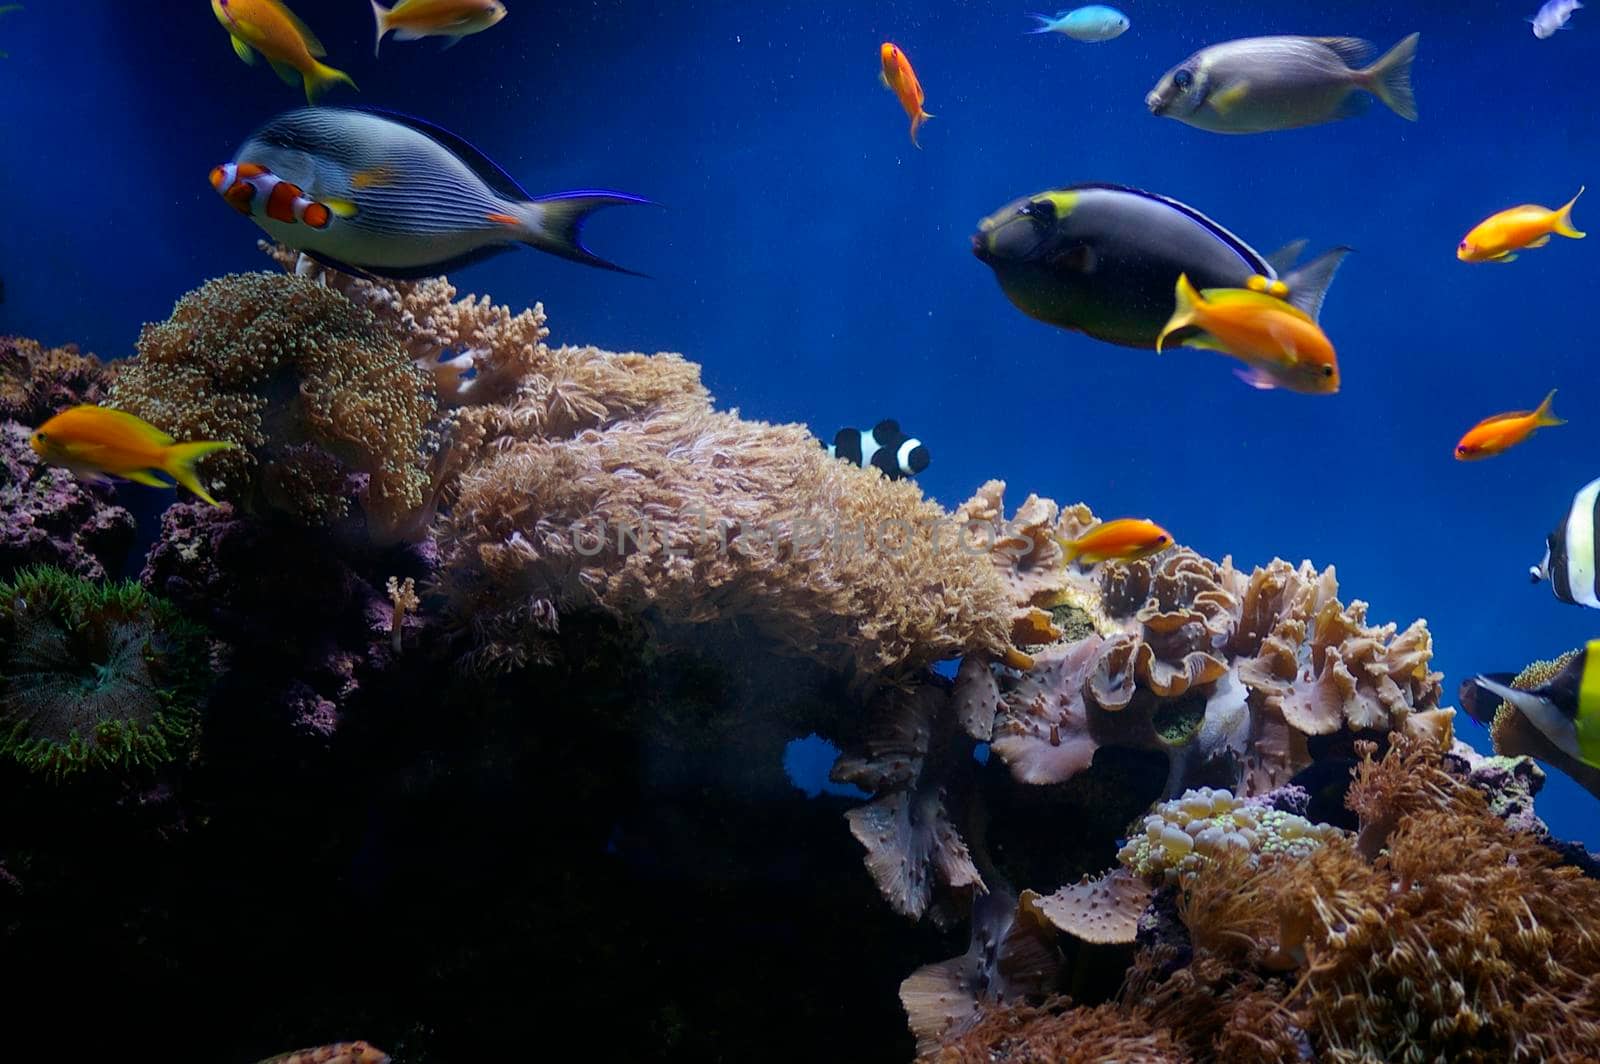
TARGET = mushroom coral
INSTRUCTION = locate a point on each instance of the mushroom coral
(1227, 673)
(95, 676)
(317, 394)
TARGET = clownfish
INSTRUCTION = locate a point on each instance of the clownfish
(246, 186)
(898, 77)
(888, 448)
(1125, 539)
(96, 442)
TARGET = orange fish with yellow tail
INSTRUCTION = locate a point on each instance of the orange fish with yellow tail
(1123, 540)
(96, 441)
(1281, 345)
(901, 80)
(1502, 432)
(291, 49)
(1499, 237)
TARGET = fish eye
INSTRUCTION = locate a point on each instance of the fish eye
(41, 437)
(1183, 79)
(1327, 371)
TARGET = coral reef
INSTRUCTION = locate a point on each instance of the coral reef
(95, 676)
(38, 382)
(1057, 1033)
(338, 1053)
(320, 398)
(49, 517)
(1184, 835)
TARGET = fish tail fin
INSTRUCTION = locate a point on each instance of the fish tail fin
(1070, 549)
(322, 77)
(916, 124)
(1389, 79)
(1308, 286)
(1045, 23)
(556, 224)
(180, 459)
(1188, 301)
(380, 15)
(1564, 219)
(1544, 417)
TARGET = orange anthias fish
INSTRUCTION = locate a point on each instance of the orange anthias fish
(412, 20)
(292, 50)
(902, 81)
(1124, 539)
(1495, 434)
(96, 441)
(1500, 236)
(1282, 345)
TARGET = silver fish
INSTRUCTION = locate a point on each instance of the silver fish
(1261, 84)
(394, 196)
(1553, 16)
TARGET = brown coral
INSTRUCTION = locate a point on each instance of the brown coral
(1105, 910)
(37, 382)
(310, 386)
(1056, 1033)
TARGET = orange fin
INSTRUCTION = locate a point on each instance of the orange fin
(504, 219)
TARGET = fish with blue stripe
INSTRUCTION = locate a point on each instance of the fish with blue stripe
(378, 194)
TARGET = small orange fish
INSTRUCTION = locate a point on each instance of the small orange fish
(1500, 236)
(1282, 345)
(1503, 431)
(901, 80)
(96, 441)
(1124, 540)
(292, 50)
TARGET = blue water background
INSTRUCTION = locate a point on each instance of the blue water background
(818, 266)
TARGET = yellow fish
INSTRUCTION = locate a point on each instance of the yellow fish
(1125, 539)
(412, 20)
(96, 441)
(292, 50)
(1499, 237)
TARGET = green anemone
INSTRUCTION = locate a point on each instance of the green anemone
(95, 676)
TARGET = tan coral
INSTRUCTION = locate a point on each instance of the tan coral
(1103, 910)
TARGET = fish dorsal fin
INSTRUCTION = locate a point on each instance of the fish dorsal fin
(886, 428)
(1308, 286)
(1250, 255)
(129, 422)
(1284, 258)
(486, 168)
(1224, 297)
(1354, 51)
(313, 45)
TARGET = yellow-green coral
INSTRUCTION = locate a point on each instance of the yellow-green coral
(309, 385)
(1182, 836)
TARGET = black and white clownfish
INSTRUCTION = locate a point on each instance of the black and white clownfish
(1566, 709)
(886, 446)
(1569, 557)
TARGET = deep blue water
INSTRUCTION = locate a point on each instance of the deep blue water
(818, 266)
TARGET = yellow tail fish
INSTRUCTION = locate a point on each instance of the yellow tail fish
(96, 441)
(291, 49)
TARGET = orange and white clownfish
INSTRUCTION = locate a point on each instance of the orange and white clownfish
(249, 187)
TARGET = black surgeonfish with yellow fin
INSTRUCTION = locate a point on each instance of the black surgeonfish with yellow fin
(1566, 709)
(1104, 260)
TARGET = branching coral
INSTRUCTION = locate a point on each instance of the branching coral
(36, 382)
(95, 676)
(48, 517)
(1056, 1033)
(318, 395)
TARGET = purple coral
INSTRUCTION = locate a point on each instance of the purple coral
(49, 517)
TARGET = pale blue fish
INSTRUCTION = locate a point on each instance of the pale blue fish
(1553, 16)
(382, 194)
(1093, 23)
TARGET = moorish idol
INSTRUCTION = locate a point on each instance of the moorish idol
(1566, 709)
(1569, 557)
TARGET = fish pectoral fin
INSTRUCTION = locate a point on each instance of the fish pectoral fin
(1504, 256)
(1255, 378)
(1541, 242)
(286, 73)
(1204, 342)
(1079, 259)
(243, 51)
(1285, 340)
(341, 208)
(451, 41)
(144, 476)
(408, 35)
(883, 79)
(1226, 99)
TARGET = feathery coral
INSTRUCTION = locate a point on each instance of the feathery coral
(1057, 1033)
(95, 676)
(313, 390)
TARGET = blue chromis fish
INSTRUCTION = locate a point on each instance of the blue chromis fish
(97, 442)
(1553, 16)
(1104, 260)
(1268, 83)
(1566, 708)
(1093, 23)
(377, 194)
